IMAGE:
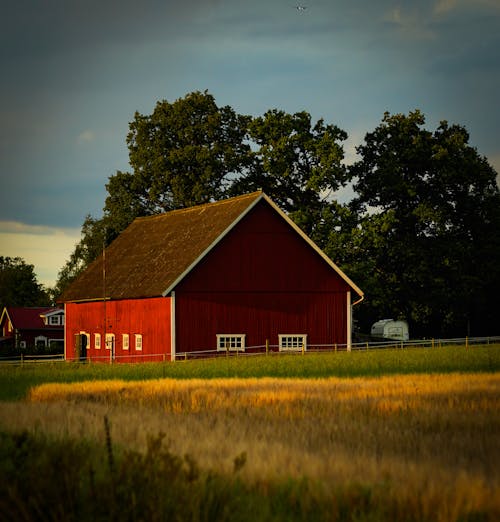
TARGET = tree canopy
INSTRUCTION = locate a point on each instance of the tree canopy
(18, 284)
(297, 163)
(421, 236)
(429, 217)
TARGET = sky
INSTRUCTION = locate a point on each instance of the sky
(74, 72)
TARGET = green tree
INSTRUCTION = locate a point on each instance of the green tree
(19, 285)
(297, 163)
(185, 153)
(429, 220)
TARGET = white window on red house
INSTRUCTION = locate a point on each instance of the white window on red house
(54, 320)
(125, 341)
(40, 341)
(97, 341)
(110, 341)
(293, 343)
(231, 342)
(138, 342)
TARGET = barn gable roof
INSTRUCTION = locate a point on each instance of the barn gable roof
(153, 254)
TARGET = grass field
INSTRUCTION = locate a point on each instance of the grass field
(15, 381)
(389, 435)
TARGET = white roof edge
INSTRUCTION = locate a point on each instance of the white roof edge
(211, 246)
(314, 246)
(5, 312)
(289, 221)
(52, 311)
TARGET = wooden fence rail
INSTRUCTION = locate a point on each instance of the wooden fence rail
(267, 349)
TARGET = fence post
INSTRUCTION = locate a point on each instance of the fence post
(432, 342)
(267, 346)
(466, 342)
(302, 348)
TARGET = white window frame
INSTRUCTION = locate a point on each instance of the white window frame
(41, 339)
(231, 342)
(54, 320)
(125, 341)
(292, 342)
(87, 336)
(110, 341)
(97, 341)
(138, 342)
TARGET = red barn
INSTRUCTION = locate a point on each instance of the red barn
(229, 275)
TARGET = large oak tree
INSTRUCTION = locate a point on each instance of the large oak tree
(428, 235)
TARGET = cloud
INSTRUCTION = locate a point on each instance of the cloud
(86, 136)
(46, 248)
(411, 23)
(444, 6)
(16, 227)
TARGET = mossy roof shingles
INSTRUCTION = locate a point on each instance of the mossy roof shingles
(153, 253)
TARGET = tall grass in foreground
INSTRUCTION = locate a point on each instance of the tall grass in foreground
(71, 481)
(15, 381)
(414, 447)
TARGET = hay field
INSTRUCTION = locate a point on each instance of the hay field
(427, 443)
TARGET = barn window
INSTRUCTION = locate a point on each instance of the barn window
(138, 342)
(231, 342)
(110, 341)
(97, 341)
(293, 342)
(125, 341)
(54, 320)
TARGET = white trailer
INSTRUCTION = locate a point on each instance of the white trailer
(390, 329)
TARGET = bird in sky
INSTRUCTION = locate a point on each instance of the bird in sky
(301, 7)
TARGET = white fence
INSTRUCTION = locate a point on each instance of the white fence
(272, 350)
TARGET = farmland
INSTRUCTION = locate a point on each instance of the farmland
(390, 435)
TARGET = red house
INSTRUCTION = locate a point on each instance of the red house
(28, 327)
(230, 275)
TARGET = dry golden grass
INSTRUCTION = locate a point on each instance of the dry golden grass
(431, 440)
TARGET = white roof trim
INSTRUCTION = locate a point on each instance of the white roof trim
(54, 311)
(309, 241)
(6, 313)
(210, 247)
(312, 244)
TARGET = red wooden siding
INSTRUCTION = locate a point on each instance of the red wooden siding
(261, 280)
(147, 317)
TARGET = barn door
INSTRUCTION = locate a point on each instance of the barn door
(81, 346)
